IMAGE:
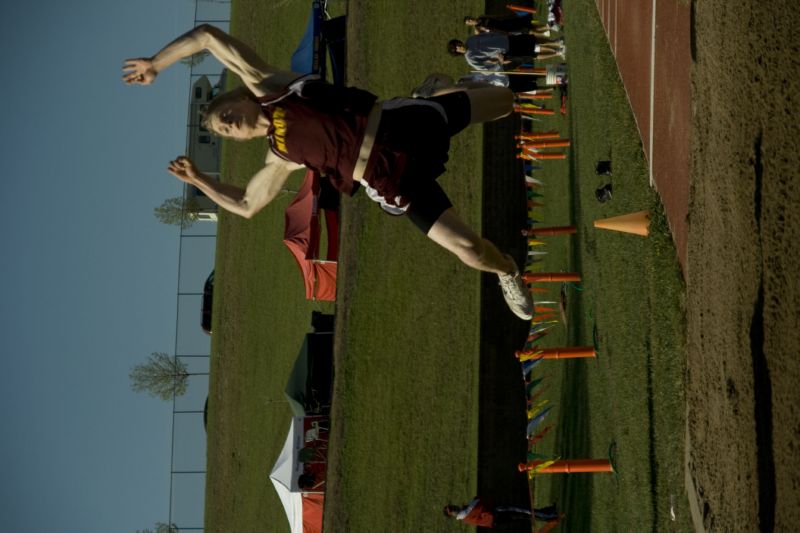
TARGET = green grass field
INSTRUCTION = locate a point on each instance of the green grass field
(428, 402)
(631, 397)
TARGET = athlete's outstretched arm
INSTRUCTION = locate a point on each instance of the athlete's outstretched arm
(262, 188)
(239, 58)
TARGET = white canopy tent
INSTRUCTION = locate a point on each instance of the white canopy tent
(303, 509)
(285, 473)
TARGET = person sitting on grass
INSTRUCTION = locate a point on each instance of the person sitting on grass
(394, 150)
(492, 50)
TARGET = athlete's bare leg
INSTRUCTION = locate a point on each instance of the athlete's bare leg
(454, 235)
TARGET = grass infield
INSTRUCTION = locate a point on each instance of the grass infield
(429, 405)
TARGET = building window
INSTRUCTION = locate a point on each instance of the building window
(204, 139)
(198, 92)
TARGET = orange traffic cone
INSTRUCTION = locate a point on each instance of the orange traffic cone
(637, 223)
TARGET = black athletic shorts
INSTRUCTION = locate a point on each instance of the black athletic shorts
(522, 46)
(429, 200)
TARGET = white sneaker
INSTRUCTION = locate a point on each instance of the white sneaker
(431, 83)
(516, 293)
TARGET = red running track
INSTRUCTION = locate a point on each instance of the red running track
(650, 40)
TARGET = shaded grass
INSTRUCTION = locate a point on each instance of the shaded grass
(404, 426)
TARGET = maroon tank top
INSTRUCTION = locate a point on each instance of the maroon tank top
(320, 126)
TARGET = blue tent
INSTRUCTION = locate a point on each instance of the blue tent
(322, 35)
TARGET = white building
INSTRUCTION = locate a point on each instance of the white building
(201, 146)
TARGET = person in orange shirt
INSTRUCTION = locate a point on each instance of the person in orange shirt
(483, 513)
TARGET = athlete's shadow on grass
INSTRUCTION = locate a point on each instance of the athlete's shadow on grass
(502, 442)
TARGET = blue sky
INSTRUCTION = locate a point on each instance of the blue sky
(90, 276)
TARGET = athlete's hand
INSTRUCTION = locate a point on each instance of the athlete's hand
(139, 71)
(184, 169)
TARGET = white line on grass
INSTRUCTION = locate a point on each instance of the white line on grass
(652, 90)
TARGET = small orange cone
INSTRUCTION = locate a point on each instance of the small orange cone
(637, 223)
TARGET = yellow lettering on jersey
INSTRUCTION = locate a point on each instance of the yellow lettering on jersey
(279, 121)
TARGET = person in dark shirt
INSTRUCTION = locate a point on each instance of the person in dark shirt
(507, 24)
